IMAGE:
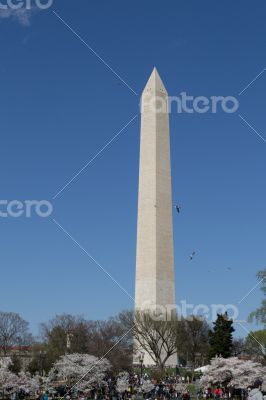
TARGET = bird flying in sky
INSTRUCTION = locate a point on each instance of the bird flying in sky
(178, 208)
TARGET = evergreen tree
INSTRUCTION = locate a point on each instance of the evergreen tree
(221, 338)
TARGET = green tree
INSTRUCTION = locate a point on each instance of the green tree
(255, 345)
(74, 334)
(41, 361)
(108, 334)
(16, 364)
(64, 334)
(260, 314)
(221, 338)
(194, 344)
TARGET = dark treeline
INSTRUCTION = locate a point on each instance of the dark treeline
(192, 338)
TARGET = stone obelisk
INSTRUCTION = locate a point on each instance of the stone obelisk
(155, 283)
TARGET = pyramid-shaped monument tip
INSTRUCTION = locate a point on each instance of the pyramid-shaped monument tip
(155, 83)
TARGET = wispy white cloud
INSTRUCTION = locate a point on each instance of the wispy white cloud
(21, 15)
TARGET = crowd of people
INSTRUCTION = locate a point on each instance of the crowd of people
(139, 388)
(253, 392)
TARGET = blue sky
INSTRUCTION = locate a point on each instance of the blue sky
(60, 104)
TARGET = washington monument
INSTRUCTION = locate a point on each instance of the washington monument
(155, 282)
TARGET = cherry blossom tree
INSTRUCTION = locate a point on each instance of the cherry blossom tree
(80, 370)
(180, 387)
(8, 380)
(122, 382)
(147, 386)
(12, 382)
(232, 372)
(27, 383)
(5, 362)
